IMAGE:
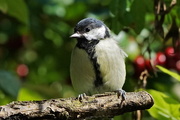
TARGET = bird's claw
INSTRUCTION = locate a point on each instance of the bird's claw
(81, 96)
(121, 93)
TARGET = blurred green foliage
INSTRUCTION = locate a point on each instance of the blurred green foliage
(165, 108)
(36, 33)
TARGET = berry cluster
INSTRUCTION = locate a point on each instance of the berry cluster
(168, 59)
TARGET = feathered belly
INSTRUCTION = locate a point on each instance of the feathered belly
(112, 66)
(99, 72)
(82, 71)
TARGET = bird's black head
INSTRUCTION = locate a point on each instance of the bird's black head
(90, 29)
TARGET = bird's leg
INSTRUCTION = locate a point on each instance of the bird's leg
(121, 93)
(81, 96)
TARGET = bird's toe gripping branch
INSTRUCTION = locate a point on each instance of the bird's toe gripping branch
(81, 96)
(121, 93)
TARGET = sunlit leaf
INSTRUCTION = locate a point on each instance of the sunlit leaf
(27, 94)
(173, 74)
(9, 83)
(165, 107)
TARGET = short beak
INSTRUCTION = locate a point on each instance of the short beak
(76, 35)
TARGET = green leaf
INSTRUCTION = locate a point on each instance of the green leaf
(3, 6)
(173, 74)
(149, 4)
(116, 26)
(138, 10)
(9, 83)
(118, 7)
(26, 94)
(80, 9)
(16, 9)
(165, 107)
(119, 14)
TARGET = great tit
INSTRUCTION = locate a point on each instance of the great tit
(97, 62)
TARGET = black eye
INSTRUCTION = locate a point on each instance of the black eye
(75, 30)
(87, 29)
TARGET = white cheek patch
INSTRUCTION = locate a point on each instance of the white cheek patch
(97, 33)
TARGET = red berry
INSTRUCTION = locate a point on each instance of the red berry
(22, 70)
(160, 59)
(140, 62)
(172, 58)
(139, 65)
(169, 52)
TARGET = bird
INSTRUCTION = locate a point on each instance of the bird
(97, 62)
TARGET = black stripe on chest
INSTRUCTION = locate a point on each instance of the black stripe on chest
(89, 47)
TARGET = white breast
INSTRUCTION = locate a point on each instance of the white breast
(81, 70)
(112, 66)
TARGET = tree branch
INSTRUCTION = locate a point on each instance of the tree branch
(99, 105)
